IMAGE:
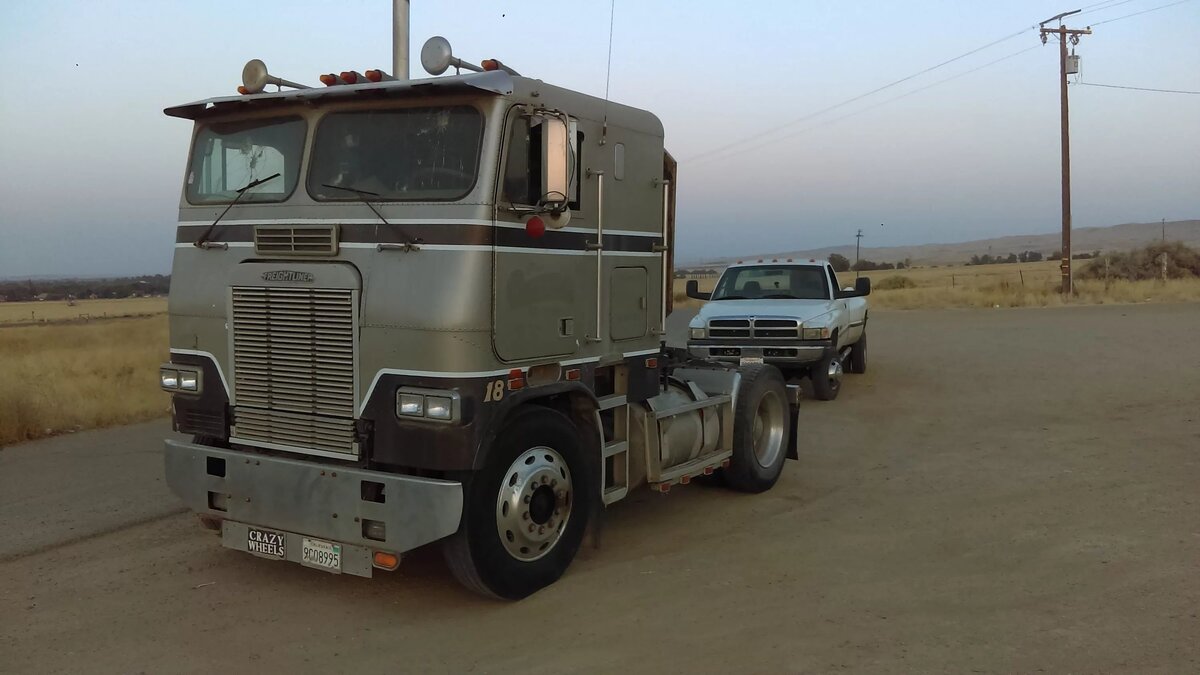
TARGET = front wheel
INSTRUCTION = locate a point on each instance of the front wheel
(525, 512)
(761, 429)
(826, 376)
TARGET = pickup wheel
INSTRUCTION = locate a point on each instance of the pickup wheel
(826, 376)
(760, 430)
(857, 362)
(525, 512)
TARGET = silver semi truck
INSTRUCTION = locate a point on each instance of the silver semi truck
(415, 311)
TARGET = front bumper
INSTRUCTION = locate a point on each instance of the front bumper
(324, 501)
(790, 353)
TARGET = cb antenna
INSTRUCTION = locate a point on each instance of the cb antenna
(612, 13)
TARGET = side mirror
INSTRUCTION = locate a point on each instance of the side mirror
(693, 290)
(556, 160)
(862, 286)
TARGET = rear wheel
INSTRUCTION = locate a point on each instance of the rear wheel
(525, 512)
(760, 430)
(857, 362)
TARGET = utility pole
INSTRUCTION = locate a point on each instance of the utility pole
(857, 248)
(1065, 34)
(1164, 226)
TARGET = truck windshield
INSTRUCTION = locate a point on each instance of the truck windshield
(773, 281)
(423, 154)
(229, 155)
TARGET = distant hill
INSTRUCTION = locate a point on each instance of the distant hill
(1083, 240)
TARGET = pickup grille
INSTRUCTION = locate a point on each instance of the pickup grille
(295, 240)
(776, 328)
(729, 328)
(294, 368)
(754, 328)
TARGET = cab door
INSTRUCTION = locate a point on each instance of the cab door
(539, 281)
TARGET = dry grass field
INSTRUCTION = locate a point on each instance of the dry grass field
(35, 312)
(1010, 285)
(66, 376)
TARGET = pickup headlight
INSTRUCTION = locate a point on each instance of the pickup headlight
(815, 333)
(179, 379)
(697, 333)
(428, 404)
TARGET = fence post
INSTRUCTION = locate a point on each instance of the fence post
(1022, 273)
(951, 281)
(1107, 281)
(1164, 267)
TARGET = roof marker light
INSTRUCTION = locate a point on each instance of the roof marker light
(377, 75)
(329, 79)
(352, 77)
(243, 90)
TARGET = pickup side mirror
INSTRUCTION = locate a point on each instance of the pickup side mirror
(693, 290)
(862, 286)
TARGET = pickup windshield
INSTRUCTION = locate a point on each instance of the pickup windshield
(773, 281)
(412, 154)
(227, 156)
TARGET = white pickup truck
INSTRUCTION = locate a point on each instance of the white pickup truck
(793, 315)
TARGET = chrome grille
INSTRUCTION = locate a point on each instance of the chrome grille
(294, 370)
(296, 240)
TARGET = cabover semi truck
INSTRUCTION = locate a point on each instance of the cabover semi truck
(415, 311)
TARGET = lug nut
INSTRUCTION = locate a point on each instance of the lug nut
(541, 530)
(526, 499)
(531, 527)
(525, 515)
(554, 483)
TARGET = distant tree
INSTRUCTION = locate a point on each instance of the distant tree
(1055, 255)
(1012, 258)
(840, 262)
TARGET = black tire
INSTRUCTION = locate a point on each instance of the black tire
(761, 430)
(857, 363)
(476, 555)
(826, 375)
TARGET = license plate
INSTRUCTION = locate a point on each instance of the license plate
(322, 554)
(750, 360)
(265, 542)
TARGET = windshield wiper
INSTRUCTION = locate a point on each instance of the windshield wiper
(730, 297)
(409, 245)
(783, 296)
(203, 240)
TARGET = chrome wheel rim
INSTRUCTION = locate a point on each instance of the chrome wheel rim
(835, 371)
(767, 432)
(534, 503)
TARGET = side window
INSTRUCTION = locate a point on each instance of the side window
(833, 284)
(523, 164)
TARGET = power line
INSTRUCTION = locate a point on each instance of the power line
(1144, 11)
(848, 101)
(823, 123)
(1097, 8)
(1118, 86)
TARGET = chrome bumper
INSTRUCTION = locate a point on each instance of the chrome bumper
(325, 501)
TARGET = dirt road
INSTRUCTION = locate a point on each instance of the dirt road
(1004, 491)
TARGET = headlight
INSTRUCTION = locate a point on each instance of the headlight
(168, 378)
(412, 405)
(697, 333)
(816, 333)
(438, 407)
(429, 404)
(189, 381)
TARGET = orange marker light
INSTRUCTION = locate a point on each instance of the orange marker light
(490, 64)
(329, 79)
(573, 374)
(385, 560)
(652, 362)
(349, 76)
(374, 75)
(243, 90)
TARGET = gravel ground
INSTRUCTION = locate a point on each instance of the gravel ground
(1004, 491)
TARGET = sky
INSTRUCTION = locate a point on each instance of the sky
(90, 167)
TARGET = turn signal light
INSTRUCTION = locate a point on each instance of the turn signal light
(386, 561)
(516, 379)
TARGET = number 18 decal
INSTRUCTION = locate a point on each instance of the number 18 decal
(495, 391)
